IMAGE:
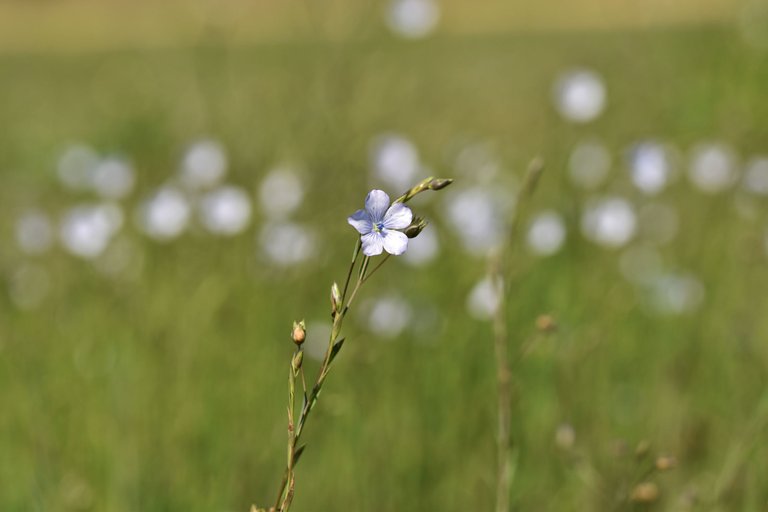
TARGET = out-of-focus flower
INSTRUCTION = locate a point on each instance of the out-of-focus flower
(610, 222)
(378, 224)
(225, 210)
(113, 178)
(281, 193)
(713, 167)
(650, 167)
(87, 229)
(165, 215)
(756, 176)
(675, 293)
(287, 243)
(413, 19)
(34, 233)
(422, 249)
(478, 215)
(589, 164)
(394, 160)
(484, 299)
(204, 165)
(76, 165)
(580, 95)
(546, 233)
(387, 316)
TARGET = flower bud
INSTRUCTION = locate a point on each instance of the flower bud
(417, 226)
(438, 183)
(646, 492)
(298, 358)
(546, 324)
(665, 462)
(335, 299)
(299, 332)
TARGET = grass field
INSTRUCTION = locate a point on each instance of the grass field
(164, 389)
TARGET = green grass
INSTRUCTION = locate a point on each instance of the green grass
(167, 392)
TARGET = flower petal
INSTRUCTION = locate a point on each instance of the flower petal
(373, 244)
(361, 221)
(398, 216)
(395, 242)
(376, 204)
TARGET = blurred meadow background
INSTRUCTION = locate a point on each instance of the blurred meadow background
(176, 178)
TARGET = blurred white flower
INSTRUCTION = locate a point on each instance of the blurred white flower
(87, 229)
(484, 298)
(413, 19)
(394, 161)
(423, 249)
(165, 214)
(113, 178)
(675, 294)
(589, 164)
(756, 176)
(388, 316)
(610, 222)
(379, 222)
(34, 232)
(286, 243)
(650, 167)
(281, 193)
(580, 95)
(479, 216)
(203, 165)
(225, 210)
(713, 167)
(76, 165)
(546, 233)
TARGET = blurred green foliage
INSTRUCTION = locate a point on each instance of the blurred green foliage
(167, 392)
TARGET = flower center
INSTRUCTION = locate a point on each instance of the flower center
(378, 227)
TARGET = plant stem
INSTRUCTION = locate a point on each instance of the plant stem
(497, 273)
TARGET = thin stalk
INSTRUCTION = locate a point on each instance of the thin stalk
(296, 428)
(497, 272)
(503, 393)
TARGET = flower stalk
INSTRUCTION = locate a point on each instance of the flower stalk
(390, 222)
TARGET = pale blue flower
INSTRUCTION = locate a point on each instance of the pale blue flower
(378, 224)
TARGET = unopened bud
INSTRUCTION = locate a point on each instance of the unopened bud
(646, 492)
(665, 462)
(335, 299)
(299, 332)
(417, 226)
(546, 324)
(438, 183)
(298, 358)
